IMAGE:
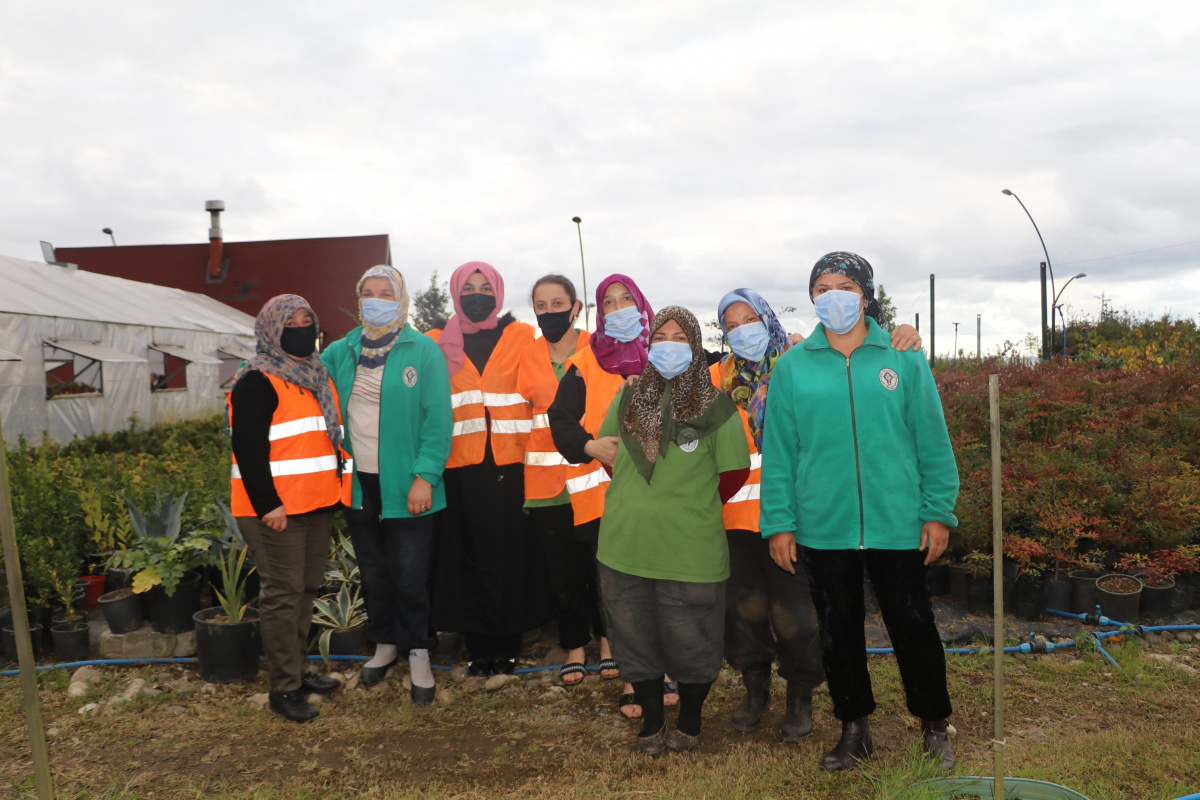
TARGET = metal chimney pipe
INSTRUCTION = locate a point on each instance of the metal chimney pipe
(215, 249)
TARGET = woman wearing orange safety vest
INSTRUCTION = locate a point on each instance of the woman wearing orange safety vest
(489, 574)
(289, 475)
(595, 374)
(570, 549)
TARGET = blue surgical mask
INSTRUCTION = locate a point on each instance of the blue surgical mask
(379, 313)
(839, 310)
(750, 341)
(670, 358)
(624, 324)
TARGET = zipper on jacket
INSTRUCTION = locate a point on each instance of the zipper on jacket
(862, 525)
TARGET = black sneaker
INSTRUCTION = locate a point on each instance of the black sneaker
(318, 684)
(480, 667)
(504, 666)
(291, 705)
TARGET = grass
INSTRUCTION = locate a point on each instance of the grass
(1072, 720)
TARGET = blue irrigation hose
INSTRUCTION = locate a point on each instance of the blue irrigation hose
(1189, 797)
(1111, 660)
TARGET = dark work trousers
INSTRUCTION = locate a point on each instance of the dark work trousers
(662, 627)
(769, 613)
(394, 558)
(574, 587)
(484, 645)
(291, 569)
(898, 577)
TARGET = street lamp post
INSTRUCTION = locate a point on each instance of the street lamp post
(1045, 252)
(583, 269)
(955, 324)
(110, 235)
(1058, 307)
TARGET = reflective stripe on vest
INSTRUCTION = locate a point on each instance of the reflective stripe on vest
(512, 425)
(740, 512)
(296, 427)
(591, 480)
(296, 466)
(546, 470)
(468, 398)
(536, 459)
(747, 492)
(476, 425)
(541, 421)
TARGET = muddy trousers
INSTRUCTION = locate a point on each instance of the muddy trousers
(291, 568)
(898, 577)
(769, 613)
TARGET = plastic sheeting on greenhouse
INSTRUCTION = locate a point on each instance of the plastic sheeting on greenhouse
(111, 334)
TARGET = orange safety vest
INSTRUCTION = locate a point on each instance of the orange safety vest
(545, 468)
(475, 398)
(588, 482)
(740, 512)
(304, 464)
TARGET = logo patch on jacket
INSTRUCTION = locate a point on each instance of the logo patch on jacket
(889, 378)
(410, 376)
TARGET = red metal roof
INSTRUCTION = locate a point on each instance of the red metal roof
(323, 271)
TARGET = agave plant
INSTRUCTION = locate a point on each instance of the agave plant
(233, 584)
(342, 566)
(162, 553)
(338, 612)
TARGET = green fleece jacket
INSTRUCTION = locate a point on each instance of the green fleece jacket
(415, 418)
(855, 450)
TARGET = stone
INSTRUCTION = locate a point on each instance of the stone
(1039, 640)
(1036, 735)
(90, 710)
(498, 682)
(177, 709)
(355, 679)
(316, 699)
(1152, 639)
(406, 682)
(951, 730)
(78, 689)
(338, 676)
(555, 655)
(1184, 637)
(182, 686)
(135, 688)
(145, 642)
(459, 673)
(86, 675)
(52, 733)
(259, 701)
(444, 697)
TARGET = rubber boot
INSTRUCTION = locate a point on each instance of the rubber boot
(748, 716)
(797, 721)
(937, 742)
(855, 744)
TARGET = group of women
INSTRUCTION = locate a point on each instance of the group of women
(625, 483)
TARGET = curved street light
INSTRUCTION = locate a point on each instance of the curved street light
(110, 235)
(1056, 305)
(587, 322)
(1045, 252)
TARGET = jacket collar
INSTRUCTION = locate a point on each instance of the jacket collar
(354, 337)
(876, 337)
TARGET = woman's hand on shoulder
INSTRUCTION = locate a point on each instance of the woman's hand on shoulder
(905, 337)
(796, 338)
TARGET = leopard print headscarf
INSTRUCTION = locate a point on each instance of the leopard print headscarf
(692, 391)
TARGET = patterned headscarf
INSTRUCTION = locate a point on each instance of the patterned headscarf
(451, 340)
(621, 358)
(696, 407)
(270, 358)
(746, 383)
(857, 269)
(378, 342)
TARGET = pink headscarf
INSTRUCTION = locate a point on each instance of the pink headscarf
(451, 340)
(621, 358)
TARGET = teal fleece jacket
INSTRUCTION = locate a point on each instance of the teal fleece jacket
(855, 451)
(415, 418)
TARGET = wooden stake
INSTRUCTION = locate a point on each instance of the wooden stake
(997, 586)
(16, 593)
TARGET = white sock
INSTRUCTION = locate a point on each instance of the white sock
(419, 669)
(384, 655)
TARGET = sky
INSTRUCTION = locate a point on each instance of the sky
(706, 145)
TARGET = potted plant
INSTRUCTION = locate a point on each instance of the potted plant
(165, 561)
(978, 567)
(230, 540)
(1029, 582)
(343, 619)
(69, 628)
(122, 610)
(1089, 567)
(110, 533)
(1188, 578)
(1119, 595)
(228, 641)
(1157, 571)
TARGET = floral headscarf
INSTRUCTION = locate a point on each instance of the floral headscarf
(621, 358)
(857, 269)
(685, 409)
(746, 383)
(270, 358)
(451, 340)
(378, 342)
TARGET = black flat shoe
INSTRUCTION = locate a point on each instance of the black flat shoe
(291, 705)
(318, 684)
(422, 696)
(479, 667)
(504, 666)
(370, 676)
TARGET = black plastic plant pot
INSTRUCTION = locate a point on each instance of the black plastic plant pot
(227, 652)
(1119, 597)
(1058, 594)
(118, 578)
(70, 641)
(1189, 591)
(939, 579)
(979, 595)
(174, 614)
(43, 617)
(348, 642)
(1029, 600)
(1160, 601)
(10, 641)
(958, 584)
(122, 610)
(1083, 591)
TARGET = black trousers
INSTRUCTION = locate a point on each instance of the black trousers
(898, 577)
(394, 558)
(769, 613)
(574, 587)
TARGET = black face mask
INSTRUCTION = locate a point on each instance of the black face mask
(555, 324)
(299, 342)
(477, 306)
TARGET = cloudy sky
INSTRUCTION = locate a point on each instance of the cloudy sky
(706, 144)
